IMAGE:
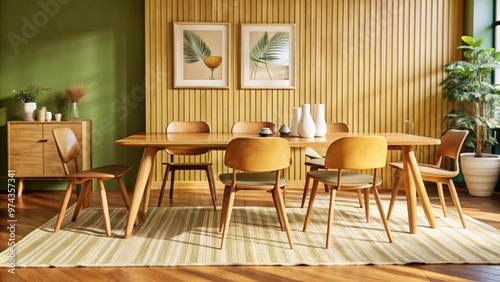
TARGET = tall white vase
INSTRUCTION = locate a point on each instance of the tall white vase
(306, 127)
(29, 110)
(319, 120)
(295, 121)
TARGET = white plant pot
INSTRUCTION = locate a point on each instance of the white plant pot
(480, 174)
(29, 110)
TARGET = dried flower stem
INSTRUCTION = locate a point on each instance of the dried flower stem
(75, 93)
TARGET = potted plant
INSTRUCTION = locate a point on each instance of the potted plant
(28, 97)
(468, 86)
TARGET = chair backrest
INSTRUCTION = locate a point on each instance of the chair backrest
(187, 127)
(257, 154)
(357, 153)
(333, 127)
(252, 126)
(67, 146)
(450, 147)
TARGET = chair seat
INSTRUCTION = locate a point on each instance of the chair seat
(349, 179)
(252, 179)
(180, 165)
(320, 163)
(103, 172)
(428, 170)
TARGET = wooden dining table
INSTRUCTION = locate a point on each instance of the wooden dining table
(152, 142)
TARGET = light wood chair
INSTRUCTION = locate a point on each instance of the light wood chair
(450, 147)
(256, 164)
(69, 150)
(317, 159)
(345, 156)
(187, 127)
(252, 126)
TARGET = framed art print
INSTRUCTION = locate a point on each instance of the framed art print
(201, 55)
(268, 56)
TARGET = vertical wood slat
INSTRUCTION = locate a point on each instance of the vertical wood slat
(373, 63)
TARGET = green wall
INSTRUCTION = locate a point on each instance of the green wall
(58, 43)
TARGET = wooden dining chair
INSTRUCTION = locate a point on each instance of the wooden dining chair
(449, 149)
(343, 158)
(252, 126)
(172, 166)
(69, 150)
(316, 159)
(256, 165)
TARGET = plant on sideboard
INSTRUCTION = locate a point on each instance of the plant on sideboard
(476, 103)
(28, 97)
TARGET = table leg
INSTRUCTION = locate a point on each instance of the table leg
(415, 185)
(145, 167)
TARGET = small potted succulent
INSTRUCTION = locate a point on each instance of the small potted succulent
(28, 97)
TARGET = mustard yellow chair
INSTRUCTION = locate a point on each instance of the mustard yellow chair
(450, 147)
(256, 164)
(343, 158)
(172, 167)
(252, 126)
(69, 150)
(317, 159)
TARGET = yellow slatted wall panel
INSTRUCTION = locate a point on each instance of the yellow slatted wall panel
(374, 63)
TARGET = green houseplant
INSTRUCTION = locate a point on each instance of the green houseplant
(469, 88)
(28, 97)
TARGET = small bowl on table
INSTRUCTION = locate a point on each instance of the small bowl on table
(265, 132)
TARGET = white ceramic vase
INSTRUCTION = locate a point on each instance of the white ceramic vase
(29, 110)
(306, 127)
(295, 121)
(319, 120)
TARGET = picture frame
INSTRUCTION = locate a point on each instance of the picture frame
(201, 55)
(268, 56)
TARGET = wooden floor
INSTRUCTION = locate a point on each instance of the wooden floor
(36, 207)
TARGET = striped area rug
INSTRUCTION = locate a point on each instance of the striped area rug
(190, 237)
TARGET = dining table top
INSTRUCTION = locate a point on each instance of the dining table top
(219, 140)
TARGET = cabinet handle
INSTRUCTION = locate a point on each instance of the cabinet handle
(43, 140)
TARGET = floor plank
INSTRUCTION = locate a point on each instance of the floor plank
(36, 207)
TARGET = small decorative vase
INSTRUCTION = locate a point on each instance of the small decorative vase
(295, 121)
(319, 120)
(41, 113)
(29, 111)
(73, 111)
(306, 127)
(284, 130)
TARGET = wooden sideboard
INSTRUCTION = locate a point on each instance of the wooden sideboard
(32, 153)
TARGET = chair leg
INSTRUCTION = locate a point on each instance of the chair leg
(395, 188)
(282, 214)
(306, 187)
(366, 193)
(333, 193)
(211, 185)
(441, 197)
(456, 201)
(64, 206)
(172, 177)
(84, 194)
(225, 201)
(360, 198)
(124, 192)
(310, 205)
(229, 209)
(105, 210)
(163, 184)
(276, 206)
(382, 215)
